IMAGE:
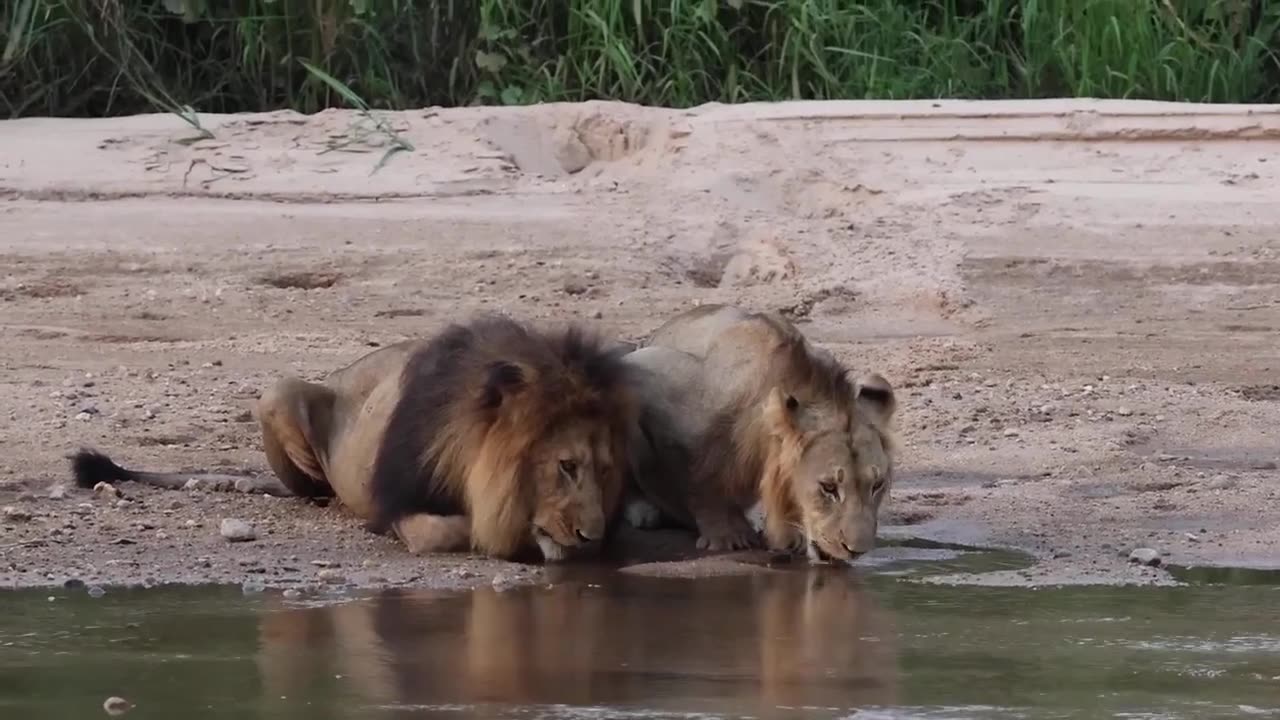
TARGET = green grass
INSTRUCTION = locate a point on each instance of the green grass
(108, 57)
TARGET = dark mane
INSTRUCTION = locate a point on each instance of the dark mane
(462, 382)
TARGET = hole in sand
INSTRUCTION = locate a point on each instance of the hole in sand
(302, 280)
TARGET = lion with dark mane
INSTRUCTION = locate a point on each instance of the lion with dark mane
(742, 415)
(489, 435)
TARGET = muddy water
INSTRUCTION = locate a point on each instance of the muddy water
(602, 644)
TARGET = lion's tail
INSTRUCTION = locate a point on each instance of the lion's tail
(91, 467)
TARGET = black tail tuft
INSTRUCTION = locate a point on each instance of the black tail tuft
(92, 467)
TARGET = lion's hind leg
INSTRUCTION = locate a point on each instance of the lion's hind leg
(296, 417)
(423, 533)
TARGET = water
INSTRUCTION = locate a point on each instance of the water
(802, 643)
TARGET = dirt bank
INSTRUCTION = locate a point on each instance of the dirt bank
(1080, 302)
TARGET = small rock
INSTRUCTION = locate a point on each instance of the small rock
(96, 591)
(501, 583)
(597, 315)
(1145, 556)
(291, 594)
(1220, 482)
(57, 492)
(235, 530)
(116, 706)
(1010, 433)
(106, 489)
(574, 287)
(83, 416)
(1123, 411)
(330, 575)
(162, 535)
(191, 485)
(250, 587)
(15, 514)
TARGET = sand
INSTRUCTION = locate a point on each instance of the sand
(1079, 302)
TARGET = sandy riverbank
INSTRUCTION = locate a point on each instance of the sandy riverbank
(1079, 301)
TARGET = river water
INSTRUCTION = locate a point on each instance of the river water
(595, 643)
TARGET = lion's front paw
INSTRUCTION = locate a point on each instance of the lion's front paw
(642, 514)
(741, 539)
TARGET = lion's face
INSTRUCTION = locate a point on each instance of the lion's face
(573, 478)
(841, 470)
(840, 482)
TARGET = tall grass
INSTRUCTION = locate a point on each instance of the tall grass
(104, 57)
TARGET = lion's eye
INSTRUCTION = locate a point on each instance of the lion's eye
(569, 468)
(829, 487)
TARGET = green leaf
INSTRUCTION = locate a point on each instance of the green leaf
(337, 85)
(512, 95)
(16, 27)
(490, 62)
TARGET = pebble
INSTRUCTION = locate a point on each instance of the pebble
(1145, 556)
(83, 416)
(96, 591)
(15, 514)
(57, 492)
(106, 489)
(330, 575)
(1010, 432)
(1124, 411)
(116, 705)
(291, 594)
(1220, 482)
(235, 530)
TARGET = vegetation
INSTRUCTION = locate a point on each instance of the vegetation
(111, 57)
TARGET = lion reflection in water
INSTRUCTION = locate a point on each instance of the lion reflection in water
(731, 644)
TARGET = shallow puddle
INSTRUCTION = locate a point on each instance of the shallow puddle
(800, 642)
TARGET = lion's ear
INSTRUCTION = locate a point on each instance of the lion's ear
(504, 380)
(876, 398)
(780, 412)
